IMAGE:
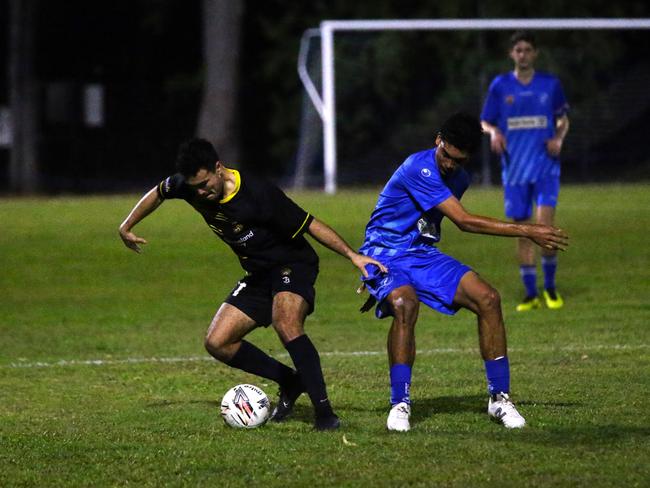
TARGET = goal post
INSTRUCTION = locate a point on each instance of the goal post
(326, 103)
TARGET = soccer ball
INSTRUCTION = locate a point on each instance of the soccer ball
(245, 406)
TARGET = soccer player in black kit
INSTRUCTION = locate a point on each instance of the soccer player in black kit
(265, 230)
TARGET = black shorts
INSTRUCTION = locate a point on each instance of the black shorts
(254, 293)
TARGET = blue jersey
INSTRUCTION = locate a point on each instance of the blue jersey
(526, 115)
(405, 217)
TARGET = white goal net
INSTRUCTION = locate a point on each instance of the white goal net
(377, 91)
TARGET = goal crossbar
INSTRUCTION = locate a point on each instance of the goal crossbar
(326, 104)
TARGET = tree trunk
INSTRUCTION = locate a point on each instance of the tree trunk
(221, 45)
(23, 168)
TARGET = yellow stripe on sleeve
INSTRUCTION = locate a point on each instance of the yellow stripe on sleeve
(301, 225)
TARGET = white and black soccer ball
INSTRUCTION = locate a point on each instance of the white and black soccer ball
(245, 406)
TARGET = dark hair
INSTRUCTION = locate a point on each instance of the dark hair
(195, 154)
(523, 35)
(463, 131)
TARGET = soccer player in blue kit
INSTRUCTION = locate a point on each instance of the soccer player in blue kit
(525, 113)
(402, 234)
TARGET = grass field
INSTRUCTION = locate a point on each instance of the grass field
(104, 380)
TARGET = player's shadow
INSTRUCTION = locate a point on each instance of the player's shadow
(535, 403)
(303, 412)
(424, 408)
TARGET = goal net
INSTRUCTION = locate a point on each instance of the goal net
(380, 90)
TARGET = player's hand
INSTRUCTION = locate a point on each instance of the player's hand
(131, 241)
(554, 146)
(497, 141)
(549, 237)
(360, 261)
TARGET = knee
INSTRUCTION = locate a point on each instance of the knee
(489, 299)
(405, 308)
(218, 347)
(288, 330)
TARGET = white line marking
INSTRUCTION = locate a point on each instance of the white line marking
(192, 359)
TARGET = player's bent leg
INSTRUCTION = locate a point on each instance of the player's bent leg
(289, 312)
(477, 295)
(224, 341)
(401, 354)
(226, 331)
(405, 305)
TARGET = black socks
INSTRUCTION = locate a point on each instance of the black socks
(255, 361)
(307, 362)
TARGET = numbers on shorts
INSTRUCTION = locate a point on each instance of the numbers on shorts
(240, 286)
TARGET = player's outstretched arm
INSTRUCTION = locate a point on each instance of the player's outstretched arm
(147, 204)
(328, 237)
(545, 236)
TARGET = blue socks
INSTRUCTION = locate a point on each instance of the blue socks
(549, 265)
(400, 384)
(529, 275)
(497, 372)
(529, 278)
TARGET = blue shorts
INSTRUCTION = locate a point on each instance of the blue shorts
(519, 198)
(434, 276)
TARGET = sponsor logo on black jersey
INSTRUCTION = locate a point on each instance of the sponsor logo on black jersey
(285, 271)
(242, 240)
(237, 228)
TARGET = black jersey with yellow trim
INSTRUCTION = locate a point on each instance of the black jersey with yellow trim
(261, 224)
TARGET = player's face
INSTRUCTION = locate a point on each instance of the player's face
(523, 54)
(448, 156)
(208, 184)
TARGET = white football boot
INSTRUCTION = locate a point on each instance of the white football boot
(501, 408)
(398, 418)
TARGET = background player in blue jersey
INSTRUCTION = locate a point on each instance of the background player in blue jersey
(265, 229)
(403, 230)
(525, 113)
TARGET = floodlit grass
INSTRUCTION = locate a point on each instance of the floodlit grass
(70, 293)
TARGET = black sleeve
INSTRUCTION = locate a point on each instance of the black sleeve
(281, 213)
(172, 187)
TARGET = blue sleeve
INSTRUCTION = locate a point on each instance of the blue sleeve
(560, 104)
(423, 184)
(490, 111)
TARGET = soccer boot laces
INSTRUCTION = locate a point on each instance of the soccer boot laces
(501, 408)
(398, 417)
(553, 299)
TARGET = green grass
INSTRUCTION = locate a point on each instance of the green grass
(70, 292)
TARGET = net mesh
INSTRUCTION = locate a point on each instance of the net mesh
(394, 89)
